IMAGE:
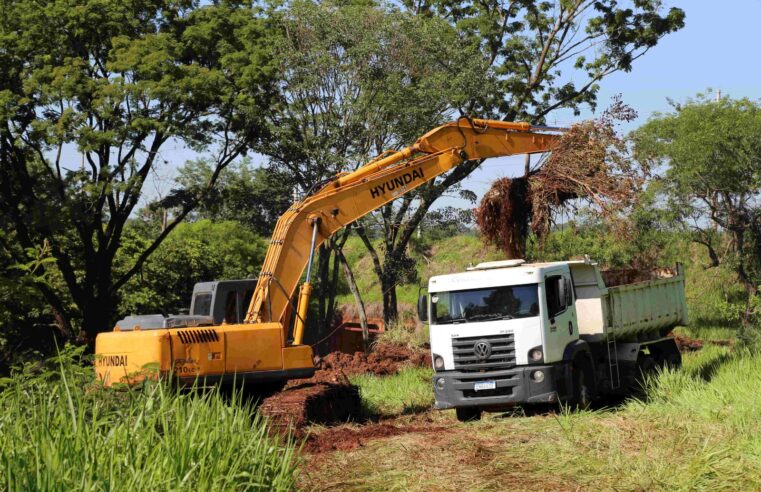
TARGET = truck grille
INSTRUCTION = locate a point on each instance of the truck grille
(501, 352)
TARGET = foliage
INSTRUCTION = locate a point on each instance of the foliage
(359, 78)
(27, 323)
(713, 178)
(253, 196)
(194, 252)
(414, 338)
(61, 431)
(90, 93)
(643, 239)
(552, 54)
(544, 56)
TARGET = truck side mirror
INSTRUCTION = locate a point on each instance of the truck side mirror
(568, 292)
(422, 308)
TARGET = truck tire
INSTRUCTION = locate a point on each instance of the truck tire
(673, 361)
(468, 414)
(646, 366)
(582, 389)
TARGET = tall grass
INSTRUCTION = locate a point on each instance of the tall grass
(59, 431)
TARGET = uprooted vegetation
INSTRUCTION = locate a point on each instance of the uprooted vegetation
(590, 163)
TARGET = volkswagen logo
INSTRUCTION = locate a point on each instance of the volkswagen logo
(482, 350)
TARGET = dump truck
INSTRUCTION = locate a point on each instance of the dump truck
(267, 345)
(508, 333)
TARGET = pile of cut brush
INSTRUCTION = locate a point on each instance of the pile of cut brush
(590, 164)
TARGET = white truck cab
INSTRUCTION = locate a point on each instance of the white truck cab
(507, 332)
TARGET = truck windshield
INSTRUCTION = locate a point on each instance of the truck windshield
(504, 302)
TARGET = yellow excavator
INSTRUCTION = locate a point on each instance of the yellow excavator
(221, 341)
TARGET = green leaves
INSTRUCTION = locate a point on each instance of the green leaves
(359, 79)
(90, 92)
(62, 431)
(535, 45)
(194, 252)
(711, 155)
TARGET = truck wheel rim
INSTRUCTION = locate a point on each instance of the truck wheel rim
(583, 391)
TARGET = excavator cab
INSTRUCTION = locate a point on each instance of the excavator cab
(224, 301)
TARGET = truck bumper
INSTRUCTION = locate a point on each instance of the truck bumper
(513, 387)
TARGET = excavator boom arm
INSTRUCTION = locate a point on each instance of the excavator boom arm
(308, 223)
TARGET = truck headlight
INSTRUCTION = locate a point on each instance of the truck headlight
(440, 383)
(535, 354)
(438, 362)
(537, 376)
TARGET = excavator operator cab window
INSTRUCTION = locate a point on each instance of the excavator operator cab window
(202, 304)
(231, 307)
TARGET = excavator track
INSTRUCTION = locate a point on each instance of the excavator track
(325, 399)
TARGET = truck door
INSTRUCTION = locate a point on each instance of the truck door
(560, 315)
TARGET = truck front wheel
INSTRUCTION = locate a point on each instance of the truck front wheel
(468, 414)
(582, 385)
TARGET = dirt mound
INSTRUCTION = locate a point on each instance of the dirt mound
(312, 402)
(346, 439)
(384, 359)
(328, 376)
(687, 344)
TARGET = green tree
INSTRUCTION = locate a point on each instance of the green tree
(194, 252)
(114, 82)
(711, 153)
(253, 196)
(546, 56)
(358, 79)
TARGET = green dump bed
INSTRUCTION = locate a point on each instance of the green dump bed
(628, 303)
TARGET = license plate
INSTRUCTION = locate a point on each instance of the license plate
(485, 385)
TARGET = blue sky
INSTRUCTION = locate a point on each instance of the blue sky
(717, 48)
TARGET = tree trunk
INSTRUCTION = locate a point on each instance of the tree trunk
(357, 300)
(390, 308)
(96, 318)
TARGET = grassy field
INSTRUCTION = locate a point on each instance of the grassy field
(407, 392)
(700, 429)
(59, 431)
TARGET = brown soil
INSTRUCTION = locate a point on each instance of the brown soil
(328, 397)
(687, 344)
(346, 439)
(312, 402)
(384, 359)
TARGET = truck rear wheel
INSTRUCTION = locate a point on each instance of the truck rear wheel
(468, 414)
(646, 366)
(673, 361)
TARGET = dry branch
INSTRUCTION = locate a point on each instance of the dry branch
(591, 164)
